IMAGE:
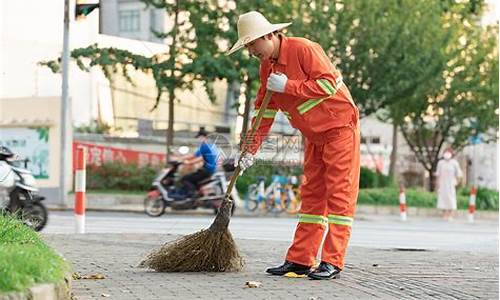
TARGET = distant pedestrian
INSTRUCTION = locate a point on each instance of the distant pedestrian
(448, 175)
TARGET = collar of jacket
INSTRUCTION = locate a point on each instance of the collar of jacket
(282, 59)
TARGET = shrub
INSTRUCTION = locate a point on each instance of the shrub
(267, 170)
(120, 176)
(485, 198)
(372, 179)
(368, 178)
(418, 197)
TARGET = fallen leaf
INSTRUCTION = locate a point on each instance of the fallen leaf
(253, 284)
(76, 276)
(93, 276)
(294, 275)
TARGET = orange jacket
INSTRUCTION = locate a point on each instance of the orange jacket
(315, 99)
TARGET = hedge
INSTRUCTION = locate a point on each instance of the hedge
(417, 197)
(376, 188)
(120, 176)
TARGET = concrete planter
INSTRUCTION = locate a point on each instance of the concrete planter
(45, 291)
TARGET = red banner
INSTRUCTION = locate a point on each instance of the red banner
(97, 155)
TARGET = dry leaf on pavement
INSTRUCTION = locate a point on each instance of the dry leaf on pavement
(93, 276)
(294, 275)
(253, 284)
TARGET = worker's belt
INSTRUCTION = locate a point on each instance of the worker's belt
(327, 88)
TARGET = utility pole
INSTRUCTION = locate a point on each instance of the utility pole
(64, 107)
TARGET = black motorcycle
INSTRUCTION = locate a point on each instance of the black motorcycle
(20, 185)
(166, 191)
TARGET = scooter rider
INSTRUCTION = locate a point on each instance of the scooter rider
(7, 175)
(206, 153)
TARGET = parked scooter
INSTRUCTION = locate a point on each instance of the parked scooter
(210, 192)
(20, 185)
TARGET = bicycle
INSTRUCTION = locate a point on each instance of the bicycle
(290, 199)
(268, 198)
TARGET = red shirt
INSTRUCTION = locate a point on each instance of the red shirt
(315, 99)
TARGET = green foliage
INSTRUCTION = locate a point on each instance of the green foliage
(120, 176)
(368, 178)
(417, 197)
(25, 259)
(267, 170)
(485, 198)
(372, 179)
(428, 66)
(95, 126)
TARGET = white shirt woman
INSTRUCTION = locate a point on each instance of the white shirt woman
(448, 175)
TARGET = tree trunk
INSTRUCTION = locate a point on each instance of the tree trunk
(432, 181)
(170, 128)
(171, 88)
(394, 152)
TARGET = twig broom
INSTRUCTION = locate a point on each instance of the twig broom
(208, 250)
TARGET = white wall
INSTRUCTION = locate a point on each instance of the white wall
(37, 36)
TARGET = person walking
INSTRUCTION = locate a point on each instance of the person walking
(310, 91)
(448, 175)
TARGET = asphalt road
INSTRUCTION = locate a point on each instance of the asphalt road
(381, 232)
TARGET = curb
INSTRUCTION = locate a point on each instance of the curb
(44, 291)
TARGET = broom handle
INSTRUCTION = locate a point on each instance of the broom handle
(258, 118)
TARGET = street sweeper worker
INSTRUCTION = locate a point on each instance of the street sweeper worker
(311, 93)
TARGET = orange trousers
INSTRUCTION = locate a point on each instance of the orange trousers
(329, 194)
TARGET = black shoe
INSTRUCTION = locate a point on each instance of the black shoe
(325, 271)
(289, 267)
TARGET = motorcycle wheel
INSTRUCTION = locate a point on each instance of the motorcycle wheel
(35, 216)
(154, 207)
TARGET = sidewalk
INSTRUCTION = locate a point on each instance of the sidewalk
(369, 273)
(135, 203)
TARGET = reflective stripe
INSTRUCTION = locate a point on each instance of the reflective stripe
(340, 220)
(313, 219)
(287, 115)
(327, 87)
(309, 104)
(268, 113)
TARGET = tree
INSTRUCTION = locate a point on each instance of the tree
(378, 46)
(466, 104)
(202, 31)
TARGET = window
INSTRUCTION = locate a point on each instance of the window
(370, 140)
(129, 20)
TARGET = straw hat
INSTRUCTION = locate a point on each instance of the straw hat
(252, 26)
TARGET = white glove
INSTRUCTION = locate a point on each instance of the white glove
(246, 162)
(276, 82)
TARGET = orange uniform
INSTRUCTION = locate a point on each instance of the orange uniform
(317, 103)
